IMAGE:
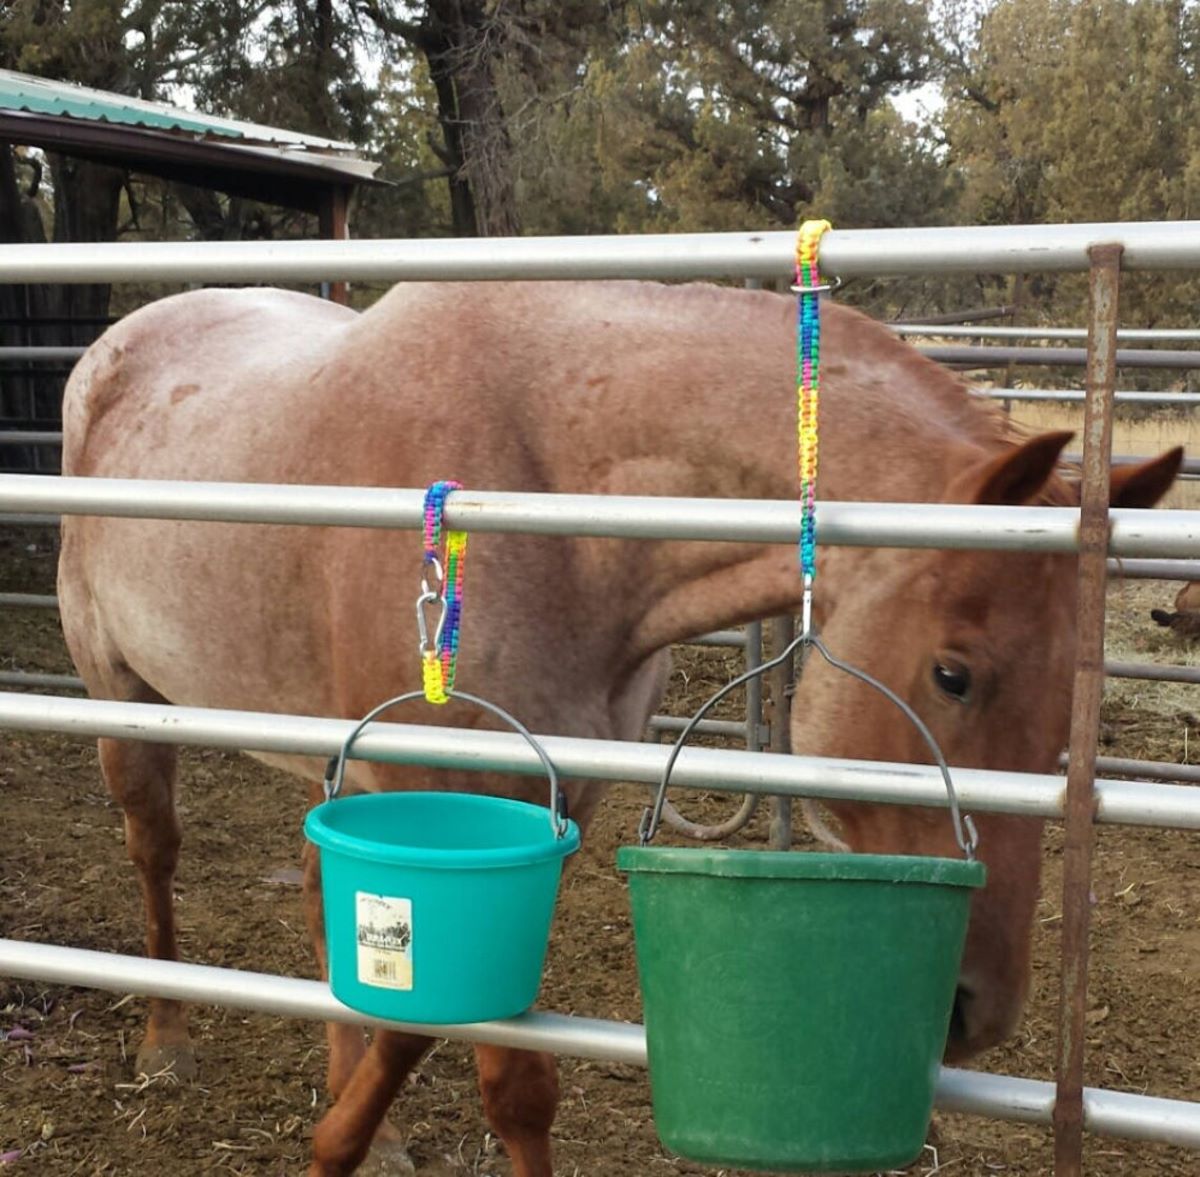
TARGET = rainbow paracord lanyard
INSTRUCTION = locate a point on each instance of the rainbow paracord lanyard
(808, 288)
(439, 657)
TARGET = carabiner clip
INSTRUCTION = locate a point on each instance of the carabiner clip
(430, 558)
(428, 597)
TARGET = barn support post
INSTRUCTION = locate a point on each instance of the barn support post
(335, 225)
(1068, 1119)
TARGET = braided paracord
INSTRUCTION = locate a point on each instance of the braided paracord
(808, 382)
(808, 288)
(440, 660)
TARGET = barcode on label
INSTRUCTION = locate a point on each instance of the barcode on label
(383, 928)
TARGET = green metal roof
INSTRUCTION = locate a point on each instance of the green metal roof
(41, 96)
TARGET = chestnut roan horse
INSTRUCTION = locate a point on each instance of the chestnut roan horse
(617, 388)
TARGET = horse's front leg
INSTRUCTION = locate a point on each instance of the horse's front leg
(520, 1098)
(347, 1133)
(348, 1042)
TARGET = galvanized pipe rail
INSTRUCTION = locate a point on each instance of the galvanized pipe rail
(1027, 1101)
(732, 729)
(999, 355)
(1173, 534)
(44, 355)
(1076, 396)
(1124, 334)
(38, 437)
(768, 256)
(845, 253)
(715, 769)
(1145, 671)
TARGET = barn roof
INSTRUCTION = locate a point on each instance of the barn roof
(158, 138)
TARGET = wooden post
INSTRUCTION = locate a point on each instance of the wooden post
(1085, 711)
(335, 225)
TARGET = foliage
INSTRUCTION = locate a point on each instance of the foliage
(1078, 110)
(499, 116)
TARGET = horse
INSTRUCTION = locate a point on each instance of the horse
(1185, 621)
(618, 388)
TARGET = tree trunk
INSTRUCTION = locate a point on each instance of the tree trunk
(460, 42)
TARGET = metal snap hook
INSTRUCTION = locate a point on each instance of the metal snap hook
(431, 561)
(428, 597)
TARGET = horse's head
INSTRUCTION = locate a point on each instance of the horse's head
(981, 645)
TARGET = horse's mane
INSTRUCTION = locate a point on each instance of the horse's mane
(981, 419)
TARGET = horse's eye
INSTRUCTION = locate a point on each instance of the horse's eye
(953, 680)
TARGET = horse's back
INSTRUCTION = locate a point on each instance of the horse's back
(192, 387)
(201, 361)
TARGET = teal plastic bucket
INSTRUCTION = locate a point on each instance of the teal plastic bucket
(437, 905)
(796, 1005)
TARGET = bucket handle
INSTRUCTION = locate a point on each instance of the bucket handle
(965, 833)
(336, 770)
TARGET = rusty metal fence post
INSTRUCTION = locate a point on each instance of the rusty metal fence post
(1104, 282)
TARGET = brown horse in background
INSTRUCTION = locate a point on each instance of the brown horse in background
(605, 388)
(1185, 621)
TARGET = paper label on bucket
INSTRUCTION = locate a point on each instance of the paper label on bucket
(384, 929)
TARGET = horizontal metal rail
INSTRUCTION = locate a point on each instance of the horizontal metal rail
(1155, 770)
(1072, 396)
(40, 354)
(1124, 334)
(38, 437)
(998, 355)
(940, 525)
(28, 601)
(1154, 569)
(1152, 672)
(35, 680)
(23, 520)
(716, 769)
(734, 638)
(1144, 671)
(1028, 1101)
(999, 249)
(705, 727)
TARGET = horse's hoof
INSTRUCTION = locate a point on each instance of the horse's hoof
(171, 1062)
(387, 1158)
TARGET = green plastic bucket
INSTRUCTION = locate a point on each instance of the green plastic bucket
(796, 1005)
(438, 905)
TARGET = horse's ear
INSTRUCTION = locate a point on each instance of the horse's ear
(1144, 484)
(1016, 478)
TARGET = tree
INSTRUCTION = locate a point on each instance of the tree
(1043, 128)
(475, 52)
(753, 110)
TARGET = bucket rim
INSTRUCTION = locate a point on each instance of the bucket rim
(541, 846)
(790, 864)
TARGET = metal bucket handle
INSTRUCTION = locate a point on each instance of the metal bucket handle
(336, 769)
(965, 833)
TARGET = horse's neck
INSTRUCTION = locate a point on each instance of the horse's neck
(718, 420)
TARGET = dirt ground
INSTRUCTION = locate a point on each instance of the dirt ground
(71, 1105)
